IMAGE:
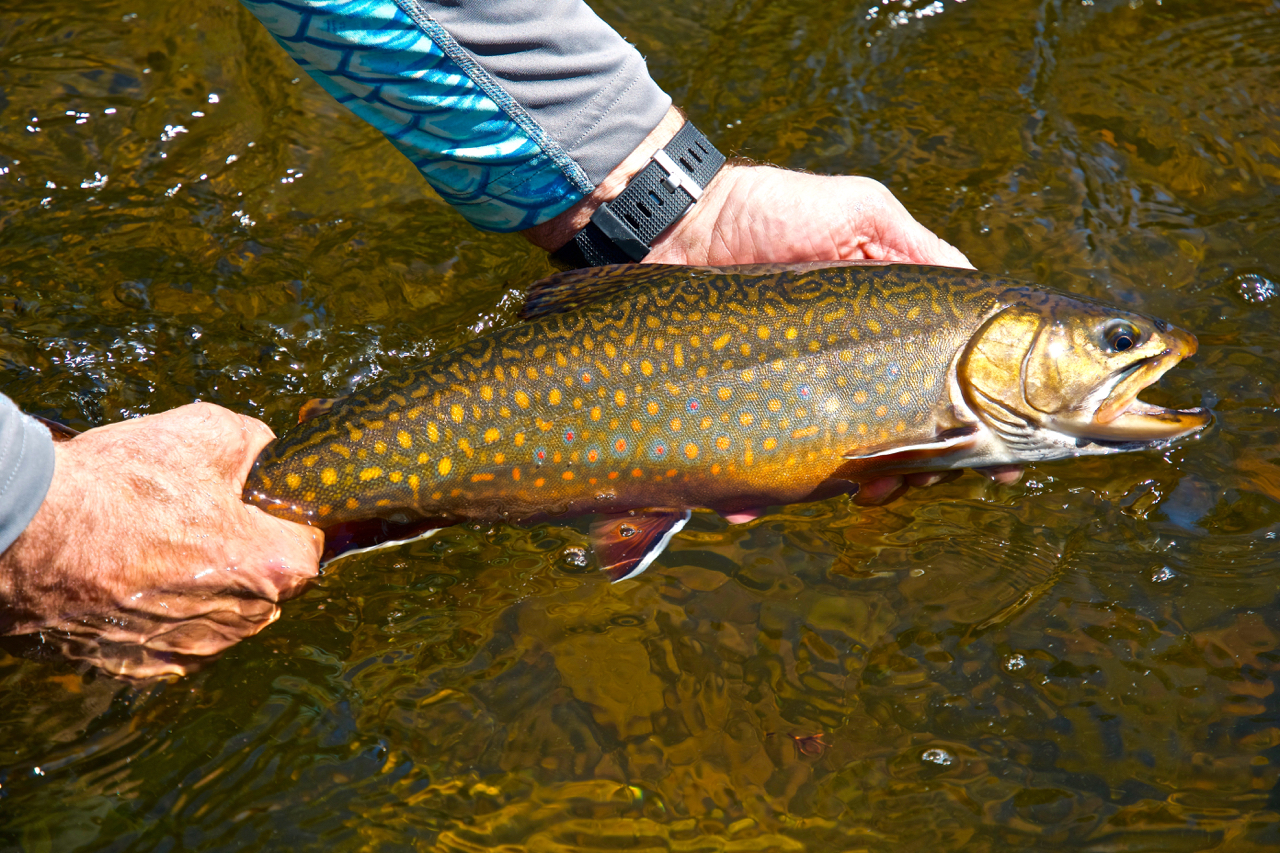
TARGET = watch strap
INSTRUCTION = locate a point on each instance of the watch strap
(622, 230)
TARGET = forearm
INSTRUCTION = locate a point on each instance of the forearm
(513, 110)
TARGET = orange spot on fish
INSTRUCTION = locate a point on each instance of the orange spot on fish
(540, 482)
(352, 503)
(481, 478)
(691, 450)
(328, 476)
(567, 475)
(515, 473)
(636, 472)
(613, 475)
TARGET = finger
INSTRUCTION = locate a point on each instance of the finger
(879, 490)
(925, 479)
(900, 232)
(256, 435)
(1005, 475)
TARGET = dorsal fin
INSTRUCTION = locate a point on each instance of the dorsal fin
(318, 406)
(569, 290)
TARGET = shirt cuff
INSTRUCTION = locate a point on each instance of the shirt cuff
(26, 470)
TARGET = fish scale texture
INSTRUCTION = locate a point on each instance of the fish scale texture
(472, 143)
(702, 388)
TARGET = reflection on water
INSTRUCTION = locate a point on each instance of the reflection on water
(1086, 660)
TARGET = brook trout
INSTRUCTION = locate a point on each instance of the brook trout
(642, 392)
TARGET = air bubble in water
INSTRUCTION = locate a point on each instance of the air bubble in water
(1256, 289)
(937, 756)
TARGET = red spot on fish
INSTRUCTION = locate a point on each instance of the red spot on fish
(620, 445)
(568, 436)
(592, 455)
(586, 377)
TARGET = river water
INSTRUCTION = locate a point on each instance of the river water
(1086, 660)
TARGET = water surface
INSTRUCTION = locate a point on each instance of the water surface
(1084, 661)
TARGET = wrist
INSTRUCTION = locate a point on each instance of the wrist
(31, 584)
(554, 233)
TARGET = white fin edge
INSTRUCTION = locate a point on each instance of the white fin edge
(393, 543)
(659, 548)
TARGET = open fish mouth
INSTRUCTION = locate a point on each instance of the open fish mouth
(1123, 417)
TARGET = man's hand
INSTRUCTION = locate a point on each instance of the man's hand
(143, 558)
(762, 214)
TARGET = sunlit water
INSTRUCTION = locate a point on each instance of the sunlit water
(1087, 660)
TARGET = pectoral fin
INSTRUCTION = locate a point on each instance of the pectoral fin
(373, 534)
(625, 545)
(946, 441)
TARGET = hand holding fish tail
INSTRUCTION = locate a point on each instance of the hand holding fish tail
(143, 559)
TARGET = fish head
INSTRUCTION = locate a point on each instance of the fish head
(1052, 364)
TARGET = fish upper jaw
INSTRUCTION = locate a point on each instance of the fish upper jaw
(1119, 416)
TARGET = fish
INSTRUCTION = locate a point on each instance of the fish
(639, 393)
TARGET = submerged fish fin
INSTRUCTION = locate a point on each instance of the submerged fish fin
(569, 290)
(943, 442)
(373, 534)
(318, 406)
(60, 432)
(626, 544)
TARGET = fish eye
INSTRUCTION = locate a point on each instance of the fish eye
(1122, 335)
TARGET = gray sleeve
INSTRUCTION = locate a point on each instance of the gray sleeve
(586, 86)
(26, 469)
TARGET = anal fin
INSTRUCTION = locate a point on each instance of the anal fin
(626, 544)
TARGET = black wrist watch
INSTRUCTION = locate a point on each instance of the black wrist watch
(622, 231)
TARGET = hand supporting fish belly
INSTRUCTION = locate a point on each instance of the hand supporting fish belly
(641, 392)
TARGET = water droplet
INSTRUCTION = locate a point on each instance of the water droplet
(938, 756)
(574, 556)
(626, 531)
(1013, 663)
(1162, 574)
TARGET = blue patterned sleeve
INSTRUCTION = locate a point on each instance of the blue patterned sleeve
(513, 110)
